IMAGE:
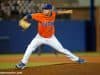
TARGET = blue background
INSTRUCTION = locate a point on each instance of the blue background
(71, 33)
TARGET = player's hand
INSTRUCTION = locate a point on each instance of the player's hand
(65, 12)
(24, 24)
(69, 11)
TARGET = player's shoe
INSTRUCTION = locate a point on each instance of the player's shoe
(81, 61)
(20, 65)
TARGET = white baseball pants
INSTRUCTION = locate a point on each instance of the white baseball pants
(52, 41)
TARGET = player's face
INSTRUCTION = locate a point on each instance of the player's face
(47, 12)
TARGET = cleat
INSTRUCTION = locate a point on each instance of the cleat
(81, 61)
(20, 65)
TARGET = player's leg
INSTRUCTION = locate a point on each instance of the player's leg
(31, 47)
(57, 45)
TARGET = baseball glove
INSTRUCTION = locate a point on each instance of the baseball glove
(24, 24)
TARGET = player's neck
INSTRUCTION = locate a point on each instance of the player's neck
(48, 15)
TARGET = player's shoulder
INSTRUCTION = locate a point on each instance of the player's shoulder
(54, 13)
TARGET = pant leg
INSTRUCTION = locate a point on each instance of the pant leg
(31, 47)
(53, 42)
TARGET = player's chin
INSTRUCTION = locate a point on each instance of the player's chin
(47, 13)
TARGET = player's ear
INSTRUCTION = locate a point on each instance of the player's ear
(53, 8)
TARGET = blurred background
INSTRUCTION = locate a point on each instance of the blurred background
(78, 32)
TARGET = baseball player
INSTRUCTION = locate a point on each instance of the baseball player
(46, 34)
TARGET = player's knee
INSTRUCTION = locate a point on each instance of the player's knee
(29, 47)
(63, 50)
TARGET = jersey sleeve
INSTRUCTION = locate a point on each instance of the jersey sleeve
(54, 13)
(35, 16)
